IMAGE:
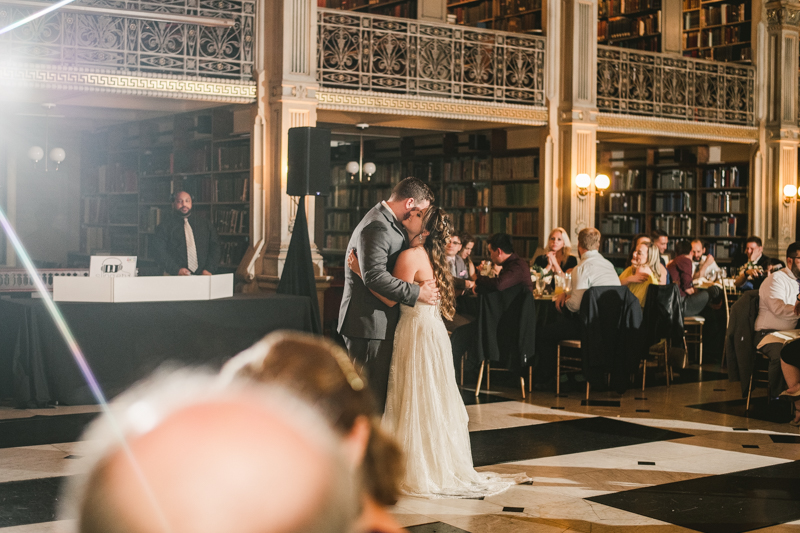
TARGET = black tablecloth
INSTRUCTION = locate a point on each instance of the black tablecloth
(124, 342)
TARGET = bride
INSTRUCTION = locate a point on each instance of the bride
(424, 409)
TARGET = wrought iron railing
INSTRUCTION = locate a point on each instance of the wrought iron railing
(372, 53)
(135, 44)
(666, 86)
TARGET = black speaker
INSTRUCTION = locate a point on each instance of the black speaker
(309, 162)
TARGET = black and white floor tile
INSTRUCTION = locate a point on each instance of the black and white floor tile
(683, 458)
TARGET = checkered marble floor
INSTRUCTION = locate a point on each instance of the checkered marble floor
(684, 458)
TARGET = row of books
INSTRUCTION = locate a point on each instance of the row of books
(233, 157)
(522, 247)
(122, 211)
(468, 170)
(342, 198)
(95, 210)
(629, 27)
(674, 179)
(466, 196)
(521, 23)
(625, 202)
(691, 4)
(613, 224)
(511, 7)
(726, 202)
(723, 249)
(118, 178)
(474, 223)
(231, 252)
(514, 223)
(336, 242)
(723, 177)
(515, 168)
(717, 37)
(370, 197)
(723, 14)
(649, 43)
(720, 227)
(149, 219)
(473, 14)
(678, 201)
(123, 242)
(615, 8)
(232, 220)
(675, 225)
(616, 246)
(691, 20)
(742, 52)
(515, 194)
(629, 178)
(339, 221)
(96, 239)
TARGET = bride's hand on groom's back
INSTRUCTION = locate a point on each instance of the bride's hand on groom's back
(428, 292)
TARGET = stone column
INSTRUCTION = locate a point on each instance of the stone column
(577, 116)
(782, 133)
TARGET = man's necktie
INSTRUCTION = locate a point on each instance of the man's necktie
(191, 249)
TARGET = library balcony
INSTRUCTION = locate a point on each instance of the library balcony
(179, 50)
(667, 86)
(370, 53)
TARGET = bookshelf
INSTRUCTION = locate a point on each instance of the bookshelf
(518, 16)
(484, 187)
(389, 8)
(131, 171)
(667, 189)
(717, 29)
(635, 24)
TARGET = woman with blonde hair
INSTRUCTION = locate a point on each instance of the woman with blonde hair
(321, 373)
(557, 258)
(644, 271)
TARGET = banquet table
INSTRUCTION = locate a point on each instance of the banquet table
(124, 342)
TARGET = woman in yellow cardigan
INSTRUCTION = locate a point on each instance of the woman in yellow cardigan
(645, 270)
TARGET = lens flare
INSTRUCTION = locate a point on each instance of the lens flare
(35, 16)
(77, 354)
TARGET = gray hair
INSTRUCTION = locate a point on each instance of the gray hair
(148, 404)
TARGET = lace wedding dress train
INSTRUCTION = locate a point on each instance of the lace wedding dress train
(425, 413)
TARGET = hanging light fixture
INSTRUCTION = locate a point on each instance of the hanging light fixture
(359, 167)
(37, 153)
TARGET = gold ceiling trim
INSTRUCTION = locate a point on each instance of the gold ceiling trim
(421, 106)
(105, 81)
(665, 127)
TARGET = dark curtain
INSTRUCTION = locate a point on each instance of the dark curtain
(298, 271)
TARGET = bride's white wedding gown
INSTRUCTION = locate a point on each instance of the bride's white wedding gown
(425, 412)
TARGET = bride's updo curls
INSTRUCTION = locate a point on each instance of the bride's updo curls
(436, 223)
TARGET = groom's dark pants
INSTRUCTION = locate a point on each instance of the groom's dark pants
(373, 357)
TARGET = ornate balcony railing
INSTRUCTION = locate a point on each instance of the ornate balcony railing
(371, 53)
(666, 86)
(135, 44)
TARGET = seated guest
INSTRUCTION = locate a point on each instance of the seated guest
(593, 270)
(693, 300)
(645, 271)
(661, 240)
(184, 243)
(458, 269)
(638, 239)
(514, 269)
(196, 459)
(703, 265)
(776, 311)
(751, 271)
(321, 373)
(467, 244)
(558, 258)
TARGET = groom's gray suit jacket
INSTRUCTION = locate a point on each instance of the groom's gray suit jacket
(378, 240)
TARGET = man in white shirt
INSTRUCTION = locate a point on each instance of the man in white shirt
(593, 270)
(778, 295)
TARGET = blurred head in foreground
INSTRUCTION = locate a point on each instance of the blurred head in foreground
(321, 373)
(201, 459)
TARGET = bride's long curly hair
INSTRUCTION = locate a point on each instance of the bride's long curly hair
(437, 224)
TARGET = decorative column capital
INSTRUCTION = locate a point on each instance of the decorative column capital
(783, 15)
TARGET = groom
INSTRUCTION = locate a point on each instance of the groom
(366, 323)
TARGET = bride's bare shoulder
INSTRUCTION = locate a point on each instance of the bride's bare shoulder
(413, 255)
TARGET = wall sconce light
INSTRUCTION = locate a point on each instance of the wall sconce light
(353, 167)
(584, 182)
(789, 194)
